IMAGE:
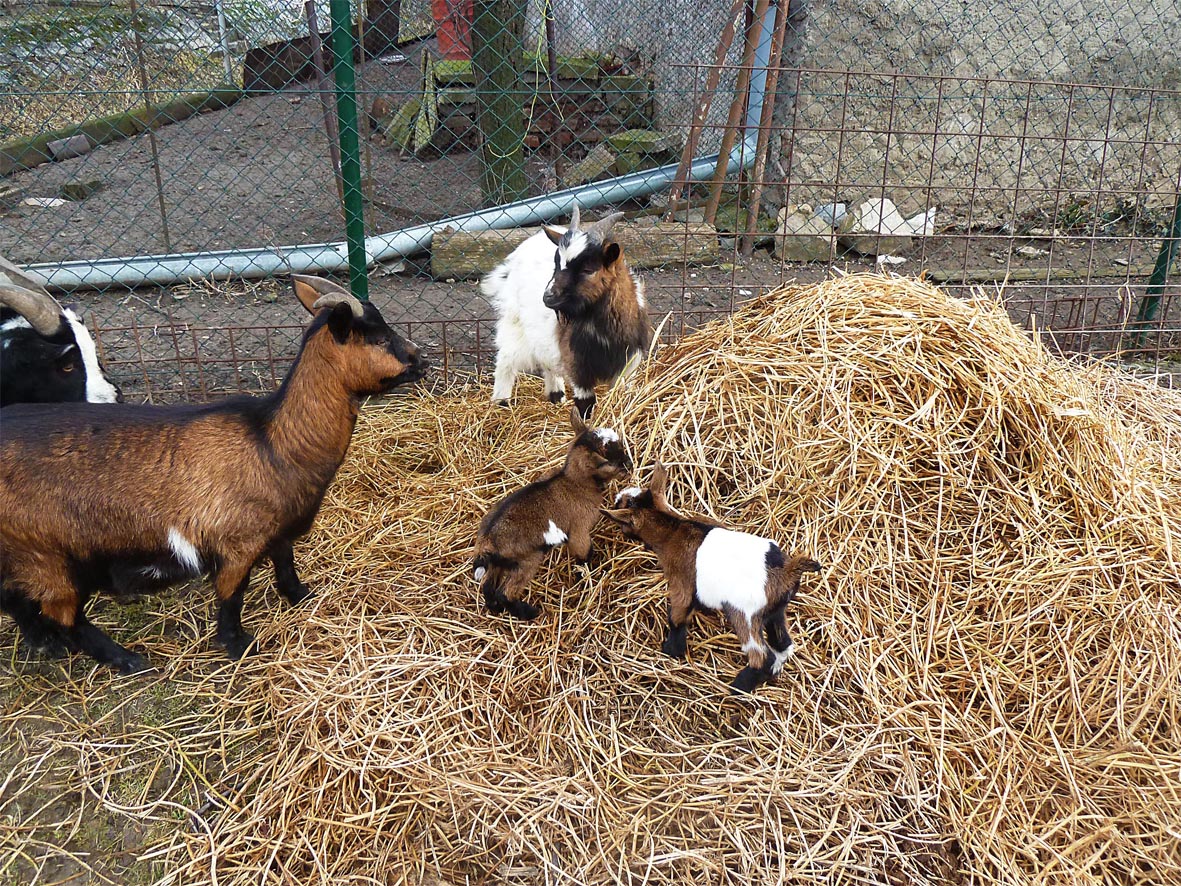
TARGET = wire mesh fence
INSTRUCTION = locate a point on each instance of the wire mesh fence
(1030, 146)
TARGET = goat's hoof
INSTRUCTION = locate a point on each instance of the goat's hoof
(296, 594)
(239, 645)
(556, 396)
(131, 663)
(499, 402)
(522, 610)
(673, 648)
(748, 680)
(495, 603)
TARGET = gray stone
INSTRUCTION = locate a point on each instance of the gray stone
(595, 165)
(802, 236)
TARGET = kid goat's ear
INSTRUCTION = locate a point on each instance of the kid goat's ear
(555, 236)
(576, 421)
(611, 253)
(659, 480)
(620, 515)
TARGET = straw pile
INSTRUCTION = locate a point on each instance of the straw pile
(988, 681)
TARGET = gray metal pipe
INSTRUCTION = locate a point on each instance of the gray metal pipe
(162, 270)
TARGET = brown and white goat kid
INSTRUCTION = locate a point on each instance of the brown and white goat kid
(567, 306)
(562, 507)
(193, 488)
(707, 566)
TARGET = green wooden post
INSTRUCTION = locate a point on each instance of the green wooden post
(343, 45)
(497, 56)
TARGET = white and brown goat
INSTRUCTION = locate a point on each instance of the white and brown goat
(560, 508)
(87, 490)
(568, 306)
(747, 578)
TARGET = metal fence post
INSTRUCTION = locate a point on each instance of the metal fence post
(343, 46)
(1156, 283)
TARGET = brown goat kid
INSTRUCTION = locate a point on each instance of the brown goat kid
(87, 490)
(562, 507)
(707, 566)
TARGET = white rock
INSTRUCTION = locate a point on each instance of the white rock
(876, 227)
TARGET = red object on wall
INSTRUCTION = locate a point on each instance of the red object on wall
(453, 21)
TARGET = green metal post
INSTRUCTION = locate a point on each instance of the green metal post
(343, 45)
(1156, 283)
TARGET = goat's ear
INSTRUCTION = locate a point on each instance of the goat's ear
(340, 322)
(576, 421)
(309, 289)
(659, 481)
(611, 253)
(554, 234)
(620, 515)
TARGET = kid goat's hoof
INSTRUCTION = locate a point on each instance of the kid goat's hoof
(748, 680)
(673, 646)
(297, 594)
(522, 610)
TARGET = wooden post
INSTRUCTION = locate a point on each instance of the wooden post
(496, 67)
(753, 33)
(711, 86)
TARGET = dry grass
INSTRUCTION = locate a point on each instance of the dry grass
(987, 688)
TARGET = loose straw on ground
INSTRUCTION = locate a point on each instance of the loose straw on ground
(988, 682)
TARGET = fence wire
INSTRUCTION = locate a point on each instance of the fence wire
(1033, 145)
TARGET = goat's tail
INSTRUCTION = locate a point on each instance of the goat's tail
(786, 582)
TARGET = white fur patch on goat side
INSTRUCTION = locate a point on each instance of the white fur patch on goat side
(633, 491)
(567, 252)
(607, 435)
(553, 535)
(98, 389)
(184, 551)
(732, 569)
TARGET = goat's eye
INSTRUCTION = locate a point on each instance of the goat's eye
(66, 367)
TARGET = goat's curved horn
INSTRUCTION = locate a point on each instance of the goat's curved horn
(603, 226)
(25, 295)
(316, 293)
(574, 218)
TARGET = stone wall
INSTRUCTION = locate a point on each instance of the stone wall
(1010, 107)
(1016, 108)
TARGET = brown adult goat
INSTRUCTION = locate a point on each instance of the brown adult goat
(193, 488)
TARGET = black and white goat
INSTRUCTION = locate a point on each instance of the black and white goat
(707, 566)
(198, 488)
(47, 355)
(568, 306)
(561, 508)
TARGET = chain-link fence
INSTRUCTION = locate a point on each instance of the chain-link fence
(1031, 144)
